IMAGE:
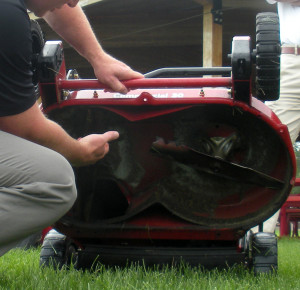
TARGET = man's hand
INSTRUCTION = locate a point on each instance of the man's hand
(109, 71)
(80, 36)
(34, 126)
(94, 147)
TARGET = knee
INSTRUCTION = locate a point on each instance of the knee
(67, 188)
(62, 184)
(68, 195)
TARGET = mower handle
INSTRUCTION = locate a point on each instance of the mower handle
(170, 72)
(80, 84)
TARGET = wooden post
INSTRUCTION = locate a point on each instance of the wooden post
(212, 36)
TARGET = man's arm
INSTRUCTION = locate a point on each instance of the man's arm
(72, 25)
(34, 126)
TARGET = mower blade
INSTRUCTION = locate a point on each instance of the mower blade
(215, 165)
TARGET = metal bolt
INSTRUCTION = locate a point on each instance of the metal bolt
(95, 95)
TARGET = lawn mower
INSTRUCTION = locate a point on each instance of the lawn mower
(199, 162)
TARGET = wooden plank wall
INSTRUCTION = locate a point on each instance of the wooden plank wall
(162, 33)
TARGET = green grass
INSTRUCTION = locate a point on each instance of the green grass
(20, 270)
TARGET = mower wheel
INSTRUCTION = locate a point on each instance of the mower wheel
(264, 253)
(57, 251)
(268, 51)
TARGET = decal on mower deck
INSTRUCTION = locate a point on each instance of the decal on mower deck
(156, 93)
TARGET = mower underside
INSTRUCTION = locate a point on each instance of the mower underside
(211, 165)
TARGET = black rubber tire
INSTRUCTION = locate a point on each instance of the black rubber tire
(58, 251)
(53, 252)
(268, 51)
(264, 253)
(38, 43)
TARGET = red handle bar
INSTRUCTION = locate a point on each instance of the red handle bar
(81, 84)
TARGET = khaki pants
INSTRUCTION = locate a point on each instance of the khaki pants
(287, 108)
(37, 187)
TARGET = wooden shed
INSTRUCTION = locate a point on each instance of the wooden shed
(148, 35)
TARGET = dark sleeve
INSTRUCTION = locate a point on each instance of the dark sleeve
(16, 87)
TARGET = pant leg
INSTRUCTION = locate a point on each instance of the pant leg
(37, 187)
(287, 108)
(269, 225)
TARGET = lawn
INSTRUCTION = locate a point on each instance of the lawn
(20, 270)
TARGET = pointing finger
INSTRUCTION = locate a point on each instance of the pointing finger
(110, 136)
